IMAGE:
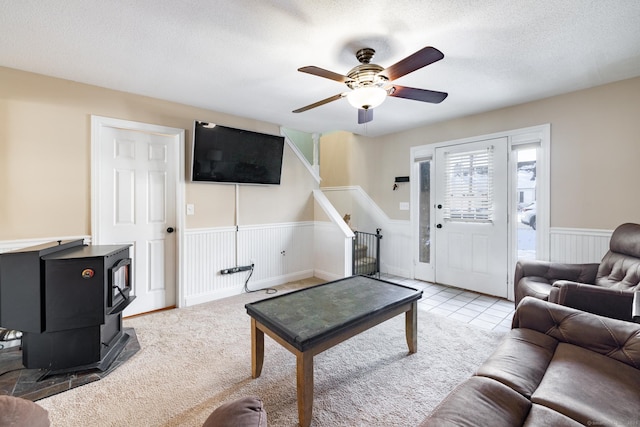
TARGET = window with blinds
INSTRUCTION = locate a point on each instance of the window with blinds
(469, 183)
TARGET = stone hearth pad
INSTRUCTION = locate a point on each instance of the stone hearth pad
(16, 380)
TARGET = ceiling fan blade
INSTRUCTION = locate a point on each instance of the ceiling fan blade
(365, 116)
(317, 71)
(423, 95)
(319, 103)
(423, 57)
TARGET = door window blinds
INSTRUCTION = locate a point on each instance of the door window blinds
(469, 184)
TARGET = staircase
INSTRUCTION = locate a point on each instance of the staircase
(366, 253)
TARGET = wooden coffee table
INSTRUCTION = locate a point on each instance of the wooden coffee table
(311, 320)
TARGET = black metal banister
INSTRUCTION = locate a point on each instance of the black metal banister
(366, 253)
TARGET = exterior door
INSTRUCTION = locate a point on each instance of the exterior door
(471, 232)
(135, 182)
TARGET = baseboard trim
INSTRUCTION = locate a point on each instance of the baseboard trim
(253, 286)
(325, 275)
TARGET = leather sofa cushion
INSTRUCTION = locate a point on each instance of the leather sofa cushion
(611, 337)
(589, 387)
(520, 360)
(480, 401)
(620, 267)
(543, 416)
(243, 412)
(624, 240)
(619, 271)
(535, 278)
(15, 411)
(534, 286)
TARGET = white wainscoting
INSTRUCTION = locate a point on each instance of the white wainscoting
(280, 253)
(578, 245)
(293, 251)
(332, 251)
(333, 242)
(396, 255)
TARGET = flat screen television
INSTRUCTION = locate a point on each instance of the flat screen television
(234, 156)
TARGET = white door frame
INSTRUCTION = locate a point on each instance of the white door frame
(541, 135)
(96, 123)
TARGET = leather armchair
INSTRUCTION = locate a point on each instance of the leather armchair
(606, 288)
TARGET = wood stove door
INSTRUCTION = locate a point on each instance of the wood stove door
(73, 300)
(138, 179)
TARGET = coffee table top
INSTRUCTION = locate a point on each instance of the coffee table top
(312, 315)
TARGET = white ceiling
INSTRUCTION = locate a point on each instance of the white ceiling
(241, 56)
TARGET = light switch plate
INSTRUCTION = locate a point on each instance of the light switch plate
(191, 210)
(404, 206)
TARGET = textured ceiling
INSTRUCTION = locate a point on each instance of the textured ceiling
(241, 57)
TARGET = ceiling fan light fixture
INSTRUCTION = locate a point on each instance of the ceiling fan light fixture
(366, 97)
(370, 83)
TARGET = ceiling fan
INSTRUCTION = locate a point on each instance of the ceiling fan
(370, 83)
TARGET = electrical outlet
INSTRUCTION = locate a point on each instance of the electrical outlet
(236, 269)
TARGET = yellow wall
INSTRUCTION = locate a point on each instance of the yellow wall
(348, 159)
(45, 159)
(595, 149)
(335, 159)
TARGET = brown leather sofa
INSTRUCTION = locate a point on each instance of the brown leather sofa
(605, 289)
(243, 412)
(558, 366)
(16, 412)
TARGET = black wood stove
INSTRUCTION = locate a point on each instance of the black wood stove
(67, 299)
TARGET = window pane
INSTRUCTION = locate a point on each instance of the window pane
(424, 219)
(469, 186)
(526, 196)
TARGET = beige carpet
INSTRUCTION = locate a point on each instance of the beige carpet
(196, 358)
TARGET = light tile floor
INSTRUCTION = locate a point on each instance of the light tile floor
(483, 311)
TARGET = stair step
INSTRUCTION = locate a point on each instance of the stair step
(366, 261)
(366, 265)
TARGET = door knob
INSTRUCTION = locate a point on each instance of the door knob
(439, 226)
(439, 206)
(170, 230)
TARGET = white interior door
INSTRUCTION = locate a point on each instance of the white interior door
(471, 232)
(136, 178)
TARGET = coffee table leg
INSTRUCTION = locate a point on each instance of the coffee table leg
(257, 350)
(411, 327)
(305, 388)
